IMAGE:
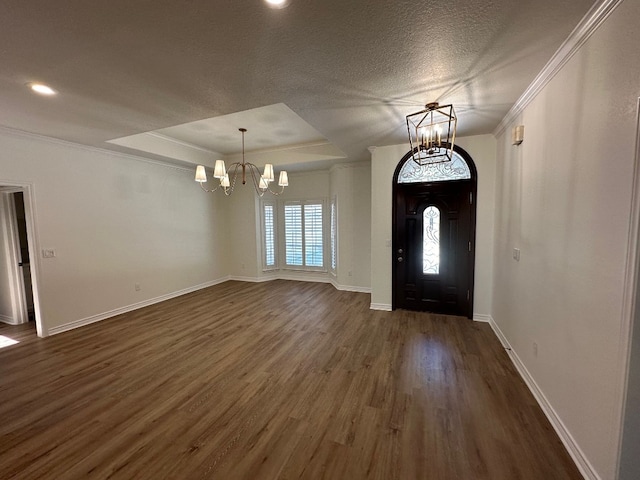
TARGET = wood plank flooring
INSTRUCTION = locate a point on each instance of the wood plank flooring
(278, 380)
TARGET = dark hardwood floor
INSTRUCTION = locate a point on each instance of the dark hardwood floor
(278, 380)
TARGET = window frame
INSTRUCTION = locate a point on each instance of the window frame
(282, 229)
(274, 205)
(436, 172)
(333, 235)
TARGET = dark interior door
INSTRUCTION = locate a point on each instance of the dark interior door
(436, 219)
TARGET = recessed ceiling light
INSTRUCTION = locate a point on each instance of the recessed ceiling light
(42, 89)
(277, 3)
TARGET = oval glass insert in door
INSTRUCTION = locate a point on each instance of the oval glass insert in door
(431, 240)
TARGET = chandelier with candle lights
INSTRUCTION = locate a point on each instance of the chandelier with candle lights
(228, 177)
(432, 133)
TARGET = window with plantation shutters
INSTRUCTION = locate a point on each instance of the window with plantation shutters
(293, 235)
(303, 234)
(269, 236)
(313, 243)
(333, 222)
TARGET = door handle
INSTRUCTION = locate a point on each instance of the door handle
(400, 259)
(20, 264)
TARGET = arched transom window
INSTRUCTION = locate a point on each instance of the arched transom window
(456, 169)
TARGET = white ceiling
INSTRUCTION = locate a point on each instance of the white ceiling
(274, 133)
(267, 128)
(349, 70)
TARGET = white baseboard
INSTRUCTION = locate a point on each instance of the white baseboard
(380, 306)
(479, 317)
(252, 279)
(578, 456)
(284, 275)
(7, 319)
(303, 277)
(350, 288)
(118, 311)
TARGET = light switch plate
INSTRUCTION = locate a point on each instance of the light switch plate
(516, 254)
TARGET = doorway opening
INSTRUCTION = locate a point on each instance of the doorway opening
(434, 229)
(18, 290)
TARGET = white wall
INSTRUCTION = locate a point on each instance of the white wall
(383, 163)
(113, 221)
(351, 185)
(312, 185)
(564, 199)
(482, 149)
(244, 229)
(116, 220)
(630, 454)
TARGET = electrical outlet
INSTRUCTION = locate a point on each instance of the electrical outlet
(516, 254)
(350, 273)
(48, 253)
(535, 349)
(137, 287)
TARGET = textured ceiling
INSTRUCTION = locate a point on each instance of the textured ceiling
(351, 69)
(267, 128)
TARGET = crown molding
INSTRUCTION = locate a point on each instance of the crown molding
(304, 173)
(587, 26)
(345, 165)
(182, 143)
(294, 146)
(88, 148)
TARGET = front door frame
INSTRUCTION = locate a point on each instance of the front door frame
(425, 187)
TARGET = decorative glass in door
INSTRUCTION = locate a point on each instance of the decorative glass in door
(456, 169)
(431, 240)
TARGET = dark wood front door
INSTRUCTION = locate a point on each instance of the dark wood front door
(434, 246)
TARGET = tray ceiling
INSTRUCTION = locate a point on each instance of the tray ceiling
(350, 71)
